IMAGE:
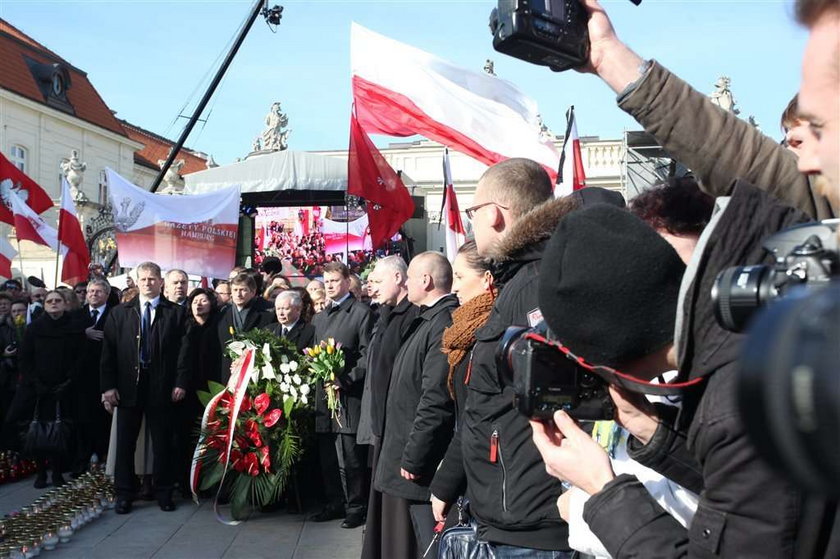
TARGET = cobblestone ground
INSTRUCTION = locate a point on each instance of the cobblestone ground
(192, 532)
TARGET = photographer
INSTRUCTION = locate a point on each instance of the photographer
(692, 129)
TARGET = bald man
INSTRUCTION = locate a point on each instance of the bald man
(419, 414)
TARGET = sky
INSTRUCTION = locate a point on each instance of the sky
(152, 60)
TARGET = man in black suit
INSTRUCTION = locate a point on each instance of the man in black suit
(350, 322)
(287, 308)
(142, 375)
(93, 422)
(245, 313)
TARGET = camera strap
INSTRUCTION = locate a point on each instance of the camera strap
(617, 378)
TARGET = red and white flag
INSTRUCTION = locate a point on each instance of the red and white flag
(455, 232)
(369, 176)
(571, 176)
(400, 90)
(74, 247)
(14, 180)
(7, 254)
(29, 225)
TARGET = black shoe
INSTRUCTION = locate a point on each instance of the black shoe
(40, 481)
(166, 505)
(329, 513)
(58, 480)
(122, 506)
(353, 520)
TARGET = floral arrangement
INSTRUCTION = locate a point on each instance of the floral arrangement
(324, 360)
(252, 428)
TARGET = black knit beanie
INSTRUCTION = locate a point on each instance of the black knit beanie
(609, 286)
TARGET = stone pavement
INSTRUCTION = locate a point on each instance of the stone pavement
(192, 532)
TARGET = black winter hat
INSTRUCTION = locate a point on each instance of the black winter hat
(609, 286)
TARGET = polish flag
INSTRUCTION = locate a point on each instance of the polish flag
(7, 254)
(400, 90)
(571, 176)
(29, 225)
(369, 176)
(14, 180)
(455, 233)
(74, 248)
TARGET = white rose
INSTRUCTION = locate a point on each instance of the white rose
(287, 379)
(268, 372)
(237, 347)
(304, 389)
(296, 379)
(293, 392)
(293, 366)
(284, 368)
(303, 399)
(284, 387)
(284, 359)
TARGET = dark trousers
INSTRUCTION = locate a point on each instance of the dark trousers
(92, 436)
(335, 448)
(159, 420)
(185, 423)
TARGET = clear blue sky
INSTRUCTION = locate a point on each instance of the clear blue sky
(146, 58)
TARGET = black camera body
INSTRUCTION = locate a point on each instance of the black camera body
(545, 380)
(550, 33)
(806, 254)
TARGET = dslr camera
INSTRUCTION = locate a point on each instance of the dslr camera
(545, 380)
(806, 255)
(549, 33)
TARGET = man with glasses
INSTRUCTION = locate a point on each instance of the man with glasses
(80, 289)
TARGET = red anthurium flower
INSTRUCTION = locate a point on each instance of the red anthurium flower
(252, 464)
(261, 403)
(253, 430)
(226, 400)
(236, 460)
(265, 459)
(272, 417)
(246, 404)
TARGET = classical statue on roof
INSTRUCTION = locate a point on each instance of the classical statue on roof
(275, 136)
(722, 96)
(74, 171)
(173, 181)
(489, 67)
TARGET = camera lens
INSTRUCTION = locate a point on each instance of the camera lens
(739, 291)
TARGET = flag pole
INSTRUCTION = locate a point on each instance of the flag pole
(445, 188)
(20, 261)
(58, 230)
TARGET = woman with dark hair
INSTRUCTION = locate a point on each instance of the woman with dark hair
(472, 283)
(200, 354)
(49, 359)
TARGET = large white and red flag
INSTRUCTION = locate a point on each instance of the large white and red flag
(14, 180)
(30, 226)
(571, 176)
(400, 90)
(455, 232)
(7, 254)
(74, 247)
(195, 233)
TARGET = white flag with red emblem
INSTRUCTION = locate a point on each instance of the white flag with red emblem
(455, 232)
(7, 254)
(74, 247)
(29, 225)
(571, 176)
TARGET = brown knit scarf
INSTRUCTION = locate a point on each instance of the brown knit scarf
(459, 338)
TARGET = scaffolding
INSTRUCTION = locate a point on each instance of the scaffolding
(645, 163)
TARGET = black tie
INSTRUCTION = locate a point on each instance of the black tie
(285, 332)
(145, 353)
(94, 314)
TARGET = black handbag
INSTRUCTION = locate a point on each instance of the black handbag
(461, 541)
(47, 437)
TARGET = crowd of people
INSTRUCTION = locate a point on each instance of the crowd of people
(430, 433)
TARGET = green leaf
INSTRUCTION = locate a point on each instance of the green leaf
(288, 406)
(214, 387)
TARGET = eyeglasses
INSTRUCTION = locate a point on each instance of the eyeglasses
(471, 211)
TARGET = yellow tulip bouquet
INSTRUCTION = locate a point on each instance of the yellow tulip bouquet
(326, 360)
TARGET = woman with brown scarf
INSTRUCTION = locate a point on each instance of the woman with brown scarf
(473, 284)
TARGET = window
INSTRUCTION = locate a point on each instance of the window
(18, 157)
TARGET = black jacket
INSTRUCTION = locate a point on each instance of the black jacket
(420, 415)
(49, 361)
(745, 507)
(388, 334)
(88, 396)
(510, 493)
(120, 364)
(349, 323)
(257, 317)
(302, 334)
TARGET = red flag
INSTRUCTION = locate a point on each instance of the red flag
(13, 179)
(75, 249)
(29, 225)
(455, 232)
(369, 176)
(7, 253)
